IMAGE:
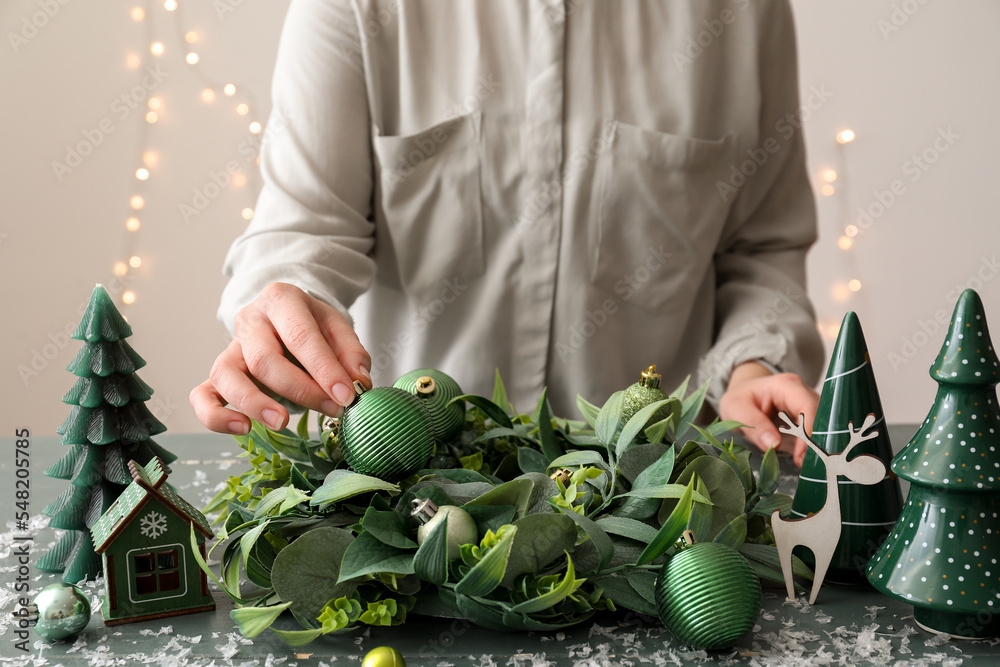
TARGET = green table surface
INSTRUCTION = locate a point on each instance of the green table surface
(848, 626)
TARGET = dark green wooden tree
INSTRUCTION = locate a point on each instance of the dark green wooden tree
(941, 556)
(108, 426)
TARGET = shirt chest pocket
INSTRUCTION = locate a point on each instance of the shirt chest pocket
(659, 214)
(430, 197)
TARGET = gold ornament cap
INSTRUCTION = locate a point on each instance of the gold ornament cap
(650, 378)
(426, 386)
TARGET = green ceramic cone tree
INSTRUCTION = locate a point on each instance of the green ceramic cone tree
(941, 556)
(868, 513)
(108, 426)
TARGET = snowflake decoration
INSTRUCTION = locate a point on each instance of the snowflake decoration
(153, 525)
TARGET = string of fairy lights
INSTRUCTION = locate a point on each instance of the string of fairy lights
(830, 182)
(185, 42)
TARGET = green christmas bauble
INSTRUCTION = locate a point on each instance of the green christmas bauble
(708, 596)
(63, 611)
(461, 528)
(386, 432)
(436, 389)
(642, 393)
(383, 656)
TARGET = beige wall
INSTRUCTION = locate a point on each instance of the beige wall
(62, 232)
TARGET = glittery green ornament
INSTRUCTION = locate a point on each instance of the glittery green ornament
(642, 393)
(63, 612)
(387, 433)
(436, 389)
(707, 595)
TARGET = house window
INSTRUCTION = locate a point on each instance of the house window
(157, 572)
(143, 563)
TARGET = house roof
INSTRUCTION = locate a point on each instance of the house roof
(147, 482)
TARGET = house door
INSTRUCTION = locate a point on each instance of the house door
(157, 573)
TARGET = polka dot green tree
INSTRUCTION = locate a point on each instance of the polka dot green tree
(941, 555)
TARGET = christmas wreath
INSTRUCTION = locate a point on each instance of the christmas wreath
(514, 521)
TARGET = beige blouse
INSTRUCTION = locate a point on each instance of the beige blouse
(567, 191)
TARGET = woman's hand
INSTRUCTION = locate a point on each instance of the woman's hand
(755, 396)
(282, 318)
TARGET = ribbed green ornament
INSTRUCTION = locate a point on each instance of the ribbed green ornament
(387, 433)
(708, 596)
(435, 389)
(642, 393)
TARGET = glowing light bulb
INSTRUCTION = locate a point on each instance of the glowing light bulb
(208, 96)
(120, 269)
(135, 261)
(845, 136)
(242, 109)
(150, 158)
(132, 61)
(191, 37)
(136, 202)
(156, 48)
(191, 58)
(229, 90)
(827, 190)
(128, 297)
(142, 173)
(845, 242)
(170, 5)
(255, 127)
(152, 117)
(137, 14)
(854, 285)
(155, 103)
(247, 213)
(132, 224)
(239, 180)
(829, 175)
(851, 230)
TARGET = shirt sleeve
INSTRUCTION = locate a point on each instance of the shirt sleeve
(762, 309)
(312, 226)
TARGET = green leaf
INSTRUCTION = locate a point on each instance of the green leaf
(734, 534)
(389, 527)
(298, 637)
(653, 476)
(667, 491)
(724, 488)
(766, 506)
(720, 427)
(608, 419)
(367, 555)
(254, 620)
(600, 539)
(671, 528)
(431, 560)
(250, 538)
(477, 612)
(490, 517)
(588, 410)
(302, 428)
(568, 585)
(531, 460)
(550, 446)
(196, 552)
(618, 590)
(341, 484)
(636, 424)
(577, 458)
(770, 474)
(492, 410)
(682, 389)
(306, 573)
(516, 492)
(767, 554)
(700, 522)
(500, 394)
(630, 528)
(488, 572)
(458, 475)
(284, 498)
(691, 407)
(540, 539)
(504, 432)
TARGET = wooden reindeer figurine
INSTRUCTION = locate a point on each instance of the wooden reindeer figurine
(820, 532)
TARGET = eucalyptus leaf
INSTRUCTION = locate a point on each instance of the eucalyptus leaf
(588, 410)
(550, 446)
(488, 572)
(504, 432)
(493, 411)
(577, 458)
(608, 419)
(618, 590)
(681, 390)
(516, 492)
(605, 549)
(500, 394)
(254, 620)
(490, 517)
(540, 539)
(734, 534)
(342, 484)
(691, 406)
(559, 593)
(544, 487)
(667, 491)
(719, 427)
(625, 527)
(671, 528)
(249, 538)
(700, 521)
(296, 638)
(430, 563)
(767, 554)
(530, 460)
(306, 573)
(643, 582)
(479, 613)
(389, 527)
(724, 488)
(196, 552)
(770, 474)
(367, 555)
(457, 475)
(302, 428)
(639, 458)
(766, 506)
(637, 424)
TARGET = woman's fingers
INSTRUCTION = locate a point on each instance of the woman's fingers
(229, 377)
(344, 342)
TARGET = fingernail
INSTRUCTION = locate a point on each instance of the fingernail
(273, 419)
(770, 439)
(239, 428)
(364, 371)
(330, 409)
(342, 393)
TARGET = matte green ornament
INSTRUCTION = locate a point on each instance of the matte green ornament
(707, 595)
(436, 389)
(387, 433)
(642, 393)
(868, 513)
(461, 526)
(941, 556)
(63, 611)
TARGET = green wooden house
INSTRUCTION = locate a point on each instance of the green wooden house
(144, 540)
